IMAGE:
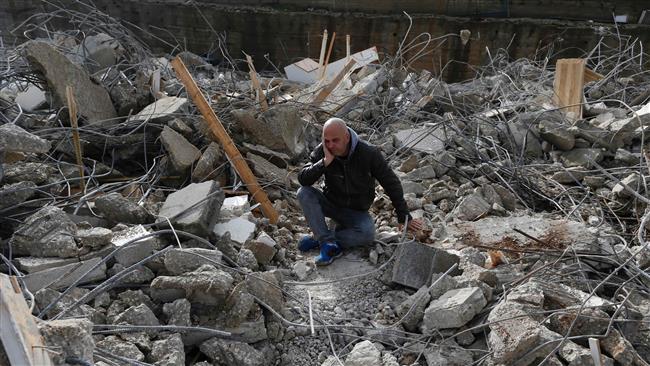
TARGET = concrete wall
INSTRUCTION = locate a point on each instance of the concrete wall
(287, 36)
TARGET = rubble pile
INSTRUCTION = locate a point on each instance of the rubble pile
(534, 247)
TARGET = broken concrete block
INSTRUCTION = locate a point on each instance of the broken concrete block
(581, 157)
(633, 181)
(232, 352)
(556, 134)
(570, 175)
(37, 264)
(281, 160)
(440, 286)
(194, 208)
(413, 187)
(265, 286)
(412, 309)
(280, 128)
(426, 139)
(181, 127)
(179, 261)
(239, 228)
(425, 172)
(38, 173)
(514, 333)
(162, 110)
(137, 250)
(508, 198)
(93, 101)
(205, 168)
(178, 312)
(453, 309)
(447, 355)
(302, 269)
(576, 355)
(207, 285)
(181, 152)
(235, 206)
(246, 259)
(116, 346)
(267, 171)
(31, 99)
(409, 164)
(442, 162)
(95, 238)
(118, 209)
(64, 276)
(471, 208)
(263, 248)
(15, 139)
(138, 275)
(364, 353)
(416, 263)
(169, 351)
(251, 331)
(98, 52)
(137, 315)
(70, 338)
(47, 233)
(14, 194)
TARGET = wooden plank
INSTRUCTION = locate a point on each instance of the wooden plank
(568, 84)
(228, 145)
(329, 88)
(20, 336)
(323, 46)
(261, 97)
(72, 111)
(591, 75)
(327, 58)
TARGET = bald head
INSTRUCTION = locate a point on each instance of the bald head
(336, 137)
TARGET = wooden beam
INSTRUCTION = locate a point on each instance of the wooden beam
(261, 97)
(19, 333)
(323, 47)
(329, 88)
(323, 70)
(72, 111)
(568, 85)
(228, 145)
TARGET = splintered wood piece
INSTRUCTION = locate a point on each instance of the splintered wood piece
(256, 84)
(72, 111)
(329, 88)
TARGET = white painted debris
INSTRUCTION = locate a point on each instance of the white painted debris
(239, 228)
(308, 70)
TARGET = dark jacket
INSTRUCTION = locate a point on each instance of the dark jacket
(350, 182)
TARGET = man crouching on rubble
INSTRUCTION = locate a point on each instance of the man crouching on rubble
(350, 166)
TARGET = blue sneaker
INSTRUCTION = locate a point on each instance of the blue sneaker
(328, 252)
(307, 243)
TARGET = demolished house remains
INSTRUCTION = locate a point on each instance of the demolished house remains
(148, 213)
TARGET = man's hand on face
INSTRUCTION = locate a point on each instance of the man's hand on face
(329, 157)
(414, 225)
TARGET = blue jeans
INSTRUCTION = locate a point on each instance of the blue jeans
(353, 227)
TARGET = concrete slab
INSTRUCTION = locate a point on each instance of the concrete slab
(416, 263)
(16, 139)
(37, 264)
(93, 101)
(136, 251)
(194, 208)
(62, 277)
